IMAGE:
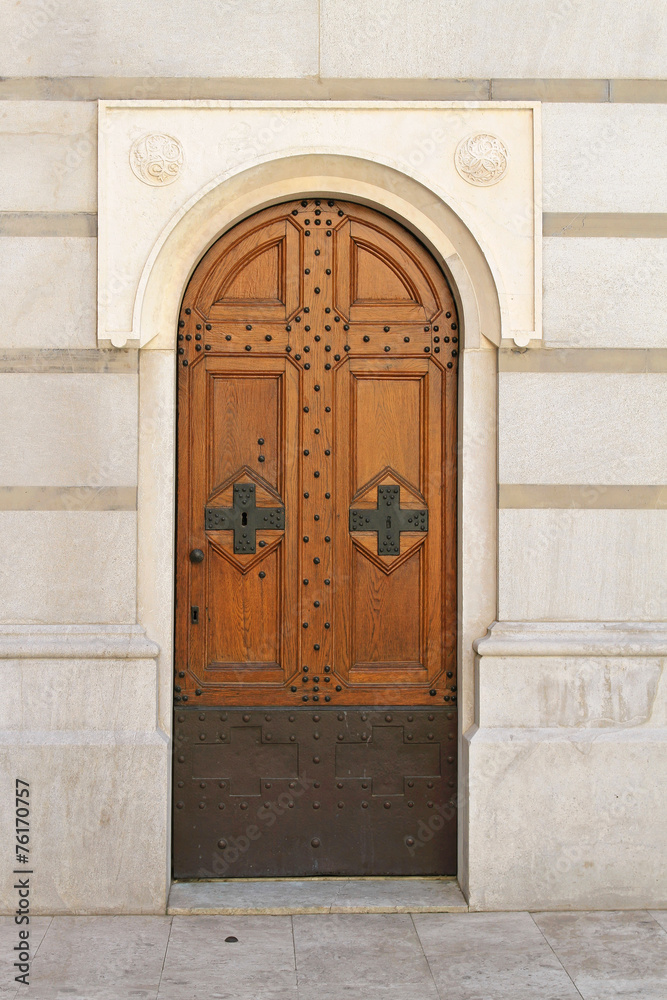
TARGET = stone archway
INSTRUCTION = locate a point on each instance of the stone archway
(472, 281)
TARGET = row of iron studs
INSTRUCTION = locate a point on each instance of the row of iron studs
(321, 489)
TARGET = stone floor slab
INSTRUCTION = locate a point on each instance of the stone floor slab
(8, 939)
(99, 958)
(344, 956)
(491, 955)
(370, 992)
(294, 896)
(660, 916)
(367, 951)
(609, 955)
(202, 965)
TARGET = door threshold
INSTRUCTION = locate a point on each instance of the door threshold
(284, 896)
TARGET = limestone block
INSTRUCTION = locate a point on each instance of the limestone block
(567, 819)
(600, 157)
(582, 427)
(68, 566)
(99, 819)
(68, 430)
(155, 515)
(47, 295)
(429, 38)
(235, 38)
(587, 692)
(78, 694)
(235, 157)
(48, 155)
(604, 292)
(477, 518)
(593, 565)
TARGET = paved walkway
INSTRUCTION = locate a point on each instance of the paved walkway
(391, 956)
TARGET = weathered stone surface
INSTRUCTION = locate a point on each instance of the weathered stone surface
(582, 428)
(584, 565)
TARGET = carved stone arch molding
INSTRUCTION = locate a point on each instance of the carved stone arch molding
(465, 176)
(157, 220)
(177, 251)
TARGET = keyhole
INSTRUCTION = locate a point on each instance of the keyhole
(244, 518)
(389, 522)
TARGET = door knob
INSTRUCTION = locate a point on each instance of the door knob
(196, 556)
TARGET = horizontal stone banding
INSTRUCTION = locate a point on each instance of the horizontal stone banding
(554, 496)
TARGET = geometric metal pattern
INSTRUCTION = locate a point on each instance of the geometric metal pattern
(388, 520)
(245, 518)
(314, 791)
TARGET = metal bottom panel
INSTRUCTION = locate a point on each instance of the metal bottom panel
(326, 791)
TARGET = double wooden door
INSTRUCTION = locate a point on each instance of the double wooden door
(315, 685)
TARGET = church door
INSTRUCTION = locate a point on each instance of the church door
(315, 671)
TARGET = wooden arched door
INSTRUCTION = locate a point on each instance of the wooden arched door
(316, 581)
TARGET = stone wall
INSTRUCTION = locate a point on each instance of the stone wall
(564, 751)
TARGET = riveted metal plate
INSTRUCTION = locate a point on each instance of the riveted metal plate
(388, 520)
(326, 791)
(244, 518)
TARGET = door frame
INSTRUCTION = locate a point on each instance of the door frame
(471, 277)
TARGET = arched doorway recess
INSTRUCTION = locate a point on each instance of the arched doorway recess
(316, 551)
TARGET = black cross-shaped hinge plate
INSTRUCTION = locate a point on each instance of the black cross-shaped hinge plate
(244, 518)
(388, 520)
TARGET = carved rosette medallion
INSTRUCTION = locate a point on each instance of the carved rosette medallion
(156, 159)
(481, 159)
